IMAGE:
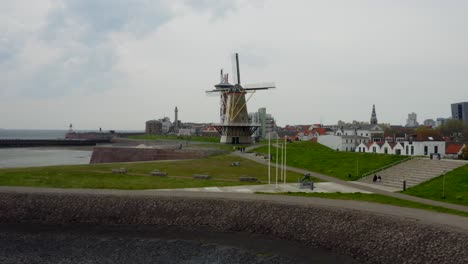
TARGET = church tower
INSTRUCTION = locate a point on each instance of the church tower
(373, 119)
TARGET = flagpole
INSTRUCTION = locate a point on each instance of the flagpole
(282, 160)
(269, 157)
(277, 152)
(285, 144)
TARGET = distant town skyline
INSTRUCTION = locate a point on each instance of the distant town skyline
(116, 64)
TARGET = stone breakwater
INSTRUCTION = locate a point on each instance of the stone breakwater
(367, 237)
(128, 154)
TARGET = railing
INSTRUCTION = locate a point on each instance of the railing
(385, 167)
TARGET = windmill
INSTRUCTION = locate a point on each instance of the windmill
(235, 127)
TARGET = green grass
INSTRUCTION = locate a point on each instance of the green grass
(318, 158)
(99, 175)
(456, 187)
(378, 198)
(175, 137)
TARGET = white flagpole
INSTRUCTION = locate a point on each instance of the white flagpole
(285, 144)
(282, 160)
(269, 157)
(277, 152)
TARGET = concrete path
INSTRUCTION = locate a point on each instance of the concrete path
(321, 187)
(361, 187)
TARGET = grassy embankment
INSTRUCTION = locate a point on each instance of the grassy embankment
(456, 187)
(198, 141)
(318, 158)
(175, 137)
(99, 176)
(378, 198)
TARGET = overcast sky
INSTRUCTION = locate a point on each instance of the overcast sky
(117, 63)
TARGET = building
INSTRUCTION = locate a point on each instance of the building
(418, 145)
(266, 122)
(460, 111)
(350, 136)
(454, 150)
(153, 127)
(373, 119)
(412, 120)
(429, 123)
(440, 121)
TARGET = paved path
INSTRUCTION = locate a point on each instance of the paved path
(322, 187)
(452, 221)
(355, 185)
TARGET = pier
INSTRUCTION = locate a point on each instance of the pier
(15, 143)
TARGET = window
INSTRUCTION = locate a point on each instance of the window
(436, 149)
(374, 149)
(425, 150)
(366, 134)
(346, 141)
(386, 150)
(406, 150)
(412, 150)
(346, 148)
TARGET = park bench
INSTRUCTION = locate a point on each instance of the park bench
(247, 179)
(159, 173)
(201, 176)
(121, 170)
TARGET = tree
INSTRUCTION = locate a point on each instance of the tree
(465, 153)
(453, 127)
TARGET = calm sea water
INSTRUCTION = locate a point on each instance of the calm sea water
(40, 156)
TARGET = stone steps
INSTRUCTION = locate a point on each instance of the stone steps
(414, 172)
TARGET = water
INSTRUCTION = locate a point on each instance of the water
(32, 134)
(44, 156)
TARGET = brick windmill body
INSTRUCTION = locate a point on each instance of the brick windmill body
(235, 126)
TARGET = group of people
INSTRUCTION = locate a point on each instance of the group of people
(376, 178)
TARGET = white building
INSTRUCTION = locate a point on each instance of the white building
(419, 146)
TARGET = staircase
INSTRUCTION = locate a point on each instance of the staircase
(414, 171)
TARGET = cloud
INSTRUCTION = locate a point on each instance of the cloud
(139, 59)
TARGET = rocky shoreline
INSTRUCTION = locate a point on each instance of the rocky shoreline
(366, 237)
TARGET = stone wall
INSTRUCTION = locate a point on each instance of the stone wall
(122, 154)
(367, 237)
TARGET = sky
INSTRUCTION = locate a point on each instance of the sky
(117, 63)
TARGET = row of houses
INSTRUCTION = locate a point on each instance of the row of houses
(371, 139)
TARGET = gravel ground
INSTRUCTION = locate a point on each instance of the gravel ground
(365, 236)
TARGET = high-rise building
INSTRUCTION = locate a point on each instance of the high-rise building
(266, 122)
(441, 121)
(460, 111)
(412, 120)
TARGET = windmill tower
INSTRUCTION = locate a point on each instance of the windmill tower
(235, 127)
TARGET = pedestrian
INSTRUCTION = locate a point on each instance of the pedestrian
(379, 179)
(374, 179)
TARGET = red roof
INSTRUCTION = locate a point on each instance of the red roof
(453, 148)
(321, 131)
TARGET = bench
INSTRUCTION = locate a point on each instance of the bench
(201, 176)
(159, 173)
(120, 171)
(247, 179)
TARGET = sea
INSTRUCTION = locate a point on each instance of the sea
(40, 156)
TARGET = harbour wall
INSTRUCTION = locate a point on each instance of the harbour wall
(15, 143)
(130, 154)
(365, 236)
